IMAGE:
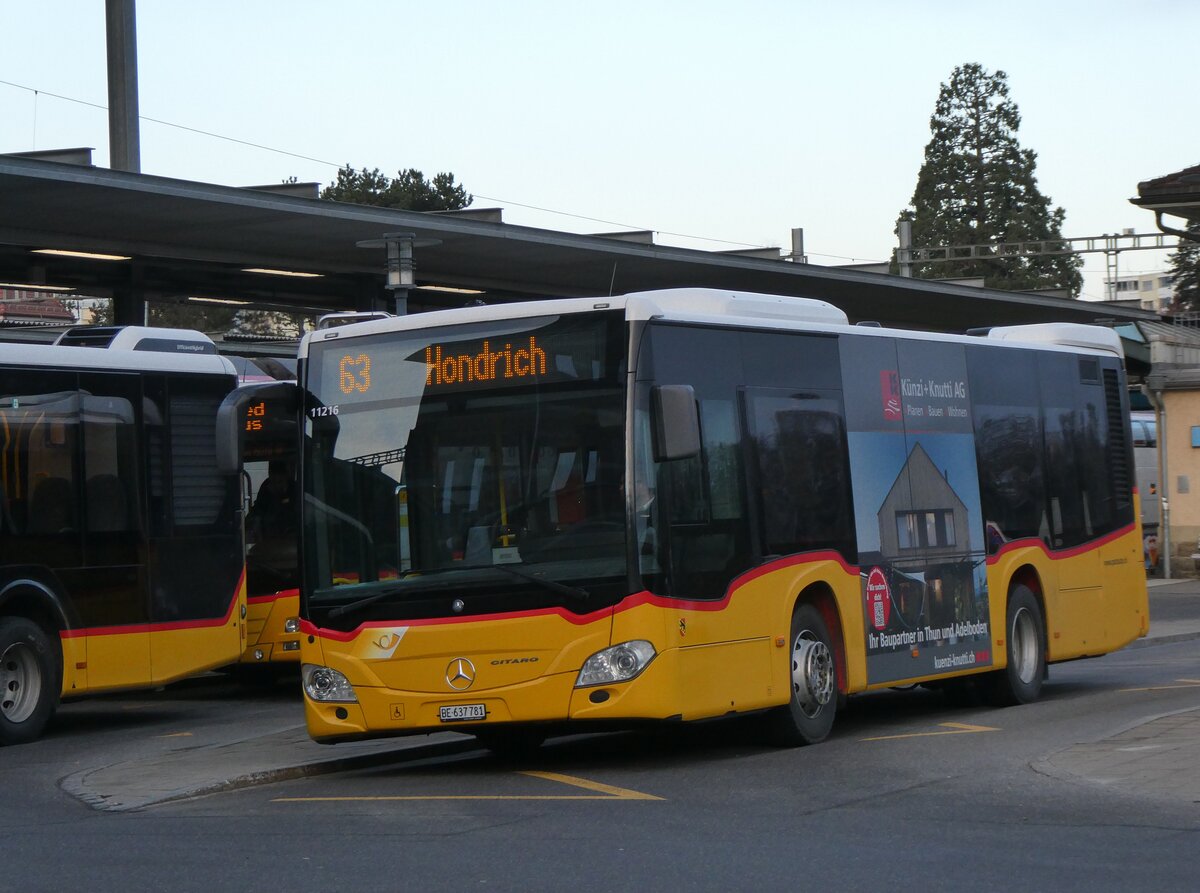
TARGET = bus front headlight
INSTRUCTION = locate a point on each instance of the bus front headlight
(620, 663)
(327, 685)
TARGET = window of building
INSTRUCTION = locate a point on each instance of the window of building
(925, 529)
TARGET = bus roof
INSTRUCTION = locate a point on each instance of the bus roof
(729, 308)
(132, 349)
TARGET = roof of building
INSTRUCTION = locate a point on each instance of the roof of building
(185, 239)
(1177, 194)
(26, 308)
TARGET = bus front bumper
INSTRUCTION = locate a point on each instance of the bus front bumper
(549, 699)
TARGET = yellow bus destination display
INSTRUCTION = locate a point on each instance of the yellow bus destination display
(449, 366)
(354, 374)
(267, 420)
(256, 417)
(521, 353)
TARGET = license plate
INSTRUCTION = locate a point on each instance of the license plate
(462, 712)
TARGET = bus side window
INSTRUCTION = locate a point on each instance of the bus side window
(798, 445)
(40, 418)
(1008, 443)
(110, 467)
(709, 539)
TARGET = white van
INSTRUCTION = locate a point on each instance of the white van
(1145, 457)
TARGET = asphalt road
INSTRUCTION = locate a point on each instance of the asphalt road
(908, 792)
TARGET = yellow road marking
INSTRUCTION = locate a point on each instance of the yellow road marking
(611, 790)
(603, 792)
(176, 735)
(955, 728)
(1185, 683)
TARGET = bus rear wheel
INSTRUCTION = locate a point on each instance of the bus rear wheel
(29, 674)
(1025, 642)
(812, 673)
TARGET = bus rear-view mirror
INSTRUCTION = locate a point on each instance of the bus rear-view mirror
(676, 423)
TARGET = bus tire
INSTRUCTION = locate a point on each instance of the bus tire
(812, 677)
(30, 679)
(1025, 643)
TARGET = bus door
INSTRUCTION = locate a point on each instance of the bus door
(1073, 415)
(195, 549)
(269, 472)
(115, 593)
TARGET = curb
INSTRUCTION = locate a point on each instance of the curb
(1045, 766)
(76, 784)
(1163, 640)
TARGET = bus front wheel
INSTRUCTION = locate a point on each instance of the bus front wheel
(812, 676)
(1025, 641)
(29, 686)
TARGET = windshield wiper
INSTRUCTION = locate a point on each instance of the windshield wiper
(374, 597)
(553, 585)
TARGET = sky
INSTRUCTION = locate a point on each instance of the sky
(717, 125)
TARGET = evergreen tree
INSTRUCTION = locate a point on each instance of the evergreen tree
(977, 186)
(409, 191)
(1185, 269)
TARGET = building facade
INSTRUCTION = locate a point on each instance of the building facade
(1152, 291)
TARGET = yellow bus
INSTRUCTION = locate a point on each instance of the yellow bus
(268, 465)
(120, 551)
(680, 505)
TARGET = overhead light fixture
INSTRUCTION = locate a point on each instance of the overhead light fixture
(269, 272)
(29, 286)
(233, 301)
(452, 289)
(86, 255)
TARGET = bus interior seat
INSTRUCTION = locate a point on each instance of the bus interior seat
(479, 546)
(52, 506)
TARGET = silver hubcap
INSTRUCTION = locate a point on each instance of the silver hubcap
(812, 673)
(1024, 638)
(20, 683)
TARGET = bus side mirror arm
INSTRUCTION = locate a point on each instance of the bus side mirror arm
(231, 418)
(676, 422)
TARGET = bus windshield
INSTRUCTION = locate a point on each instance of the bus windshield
(485, 460)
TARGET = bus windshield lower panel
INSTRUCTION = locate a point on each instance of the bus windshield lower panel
(472, 470)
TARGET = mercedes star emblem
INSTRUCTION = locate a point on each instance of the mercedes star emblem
(460, 675)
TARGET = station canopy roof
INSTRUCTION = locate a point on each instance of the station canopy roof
(1176, 194)
(181, 240)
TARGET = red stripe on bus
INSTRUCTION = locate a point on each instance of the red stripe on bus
(307, 626)
(1060, 554)
(628, 603)
(274, 596)
(156, 627)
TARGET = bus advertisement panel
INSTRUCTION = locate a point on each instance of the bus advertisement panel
(916, 506)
